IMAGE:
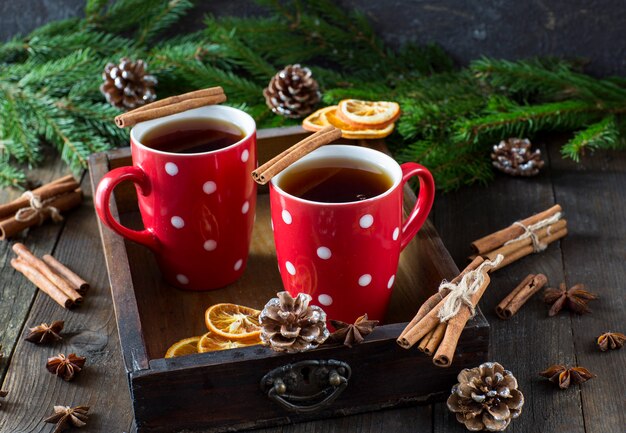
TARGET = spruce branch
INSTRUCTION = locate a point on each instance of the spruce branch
(601, 135)
(163, 17)
(450, 118)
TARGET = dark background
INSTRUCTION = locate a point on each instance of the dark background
(594, 30)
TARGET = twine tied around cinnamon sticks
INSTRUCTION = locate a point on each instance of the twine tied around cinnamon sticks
(531, 232)
(37, 208)
(34, 207)
(460, 293)
(524, 237)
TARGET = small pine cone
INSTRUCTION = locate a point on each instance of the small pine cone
(127, 85)
(486, 398)
(513, 156)
(292, 325)
(292, 92)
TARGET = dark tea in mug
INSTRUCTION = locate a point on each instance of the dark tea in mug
(336, 180)
(197, 135)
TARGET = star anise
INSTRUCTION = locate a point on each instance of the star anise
(352, 334)
(45, 333)
(65, 417)
(611, 340)
(65, 367)
(575, 299)
(563, 375)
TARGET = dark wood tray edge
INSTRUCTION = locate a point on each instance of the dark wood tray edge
(134, 350)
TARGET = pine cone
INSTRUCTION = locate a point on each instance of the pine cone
(486, 398)
(291, 325)
(292, 92)
(513, 156)
(127, 85)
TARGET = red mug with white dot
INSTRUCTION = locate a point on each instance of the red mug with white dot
(345, 255)
(197, 208)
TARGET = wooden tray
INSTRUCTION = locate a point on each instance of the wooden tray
(221, 391)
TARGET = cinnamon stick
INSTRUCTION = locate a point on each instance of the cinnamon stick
(182, 103)
(421, 328)
(424, 341)
(39, 265)
(430, 343)
(77, 283)
(523, 252)
(433, 300)
(10, 226)
(445, 352)
(202, 93)
(271, 168)
(542, 234)
(518, 297)
(44, 192)
(45, 285)
(497, 239)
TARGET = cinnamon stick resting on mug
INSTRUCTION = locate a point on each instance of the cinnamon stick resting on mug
(518, 297)
(530, 235)
(172, 105)
(271, 168)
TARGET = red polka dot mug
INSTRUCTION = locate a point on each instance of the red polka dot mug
(345, 255)
(197, 208)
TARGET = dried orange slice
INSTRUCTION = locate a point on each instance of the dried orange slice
(233, 322)
(183, 347)
(317, 120)
(211, 342)
(368, 114)
(354, 132)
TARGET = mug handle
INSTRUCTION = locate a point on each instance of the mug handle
(424, 201)
(103, 196)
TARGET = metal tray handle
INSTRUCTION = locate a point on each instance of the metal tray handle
(306, 386)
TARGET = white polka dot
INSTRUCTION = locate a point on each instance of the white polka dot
(238, 264)
(391, 280)
(182, 279)
(365, 279)
(245, 155)
(287, 217)
(171, 168)
(290, 268)
(324, 253)
(396, 233)
(210, 245)
(178, 222)
(325, 300)
(366, 221)
(209, 187)
(272, 224)
(245, 207)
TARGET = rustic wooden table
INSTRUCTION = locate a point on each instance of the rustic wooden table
(593, 194)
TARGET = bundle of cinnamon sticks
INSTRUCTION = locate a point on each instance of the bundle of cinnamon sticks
(57, 196)
(172, 105)
(522, 238)
(50, 276)
(440, 338)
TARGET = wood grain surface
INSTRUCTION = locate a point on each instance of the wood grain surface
(593, 196)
